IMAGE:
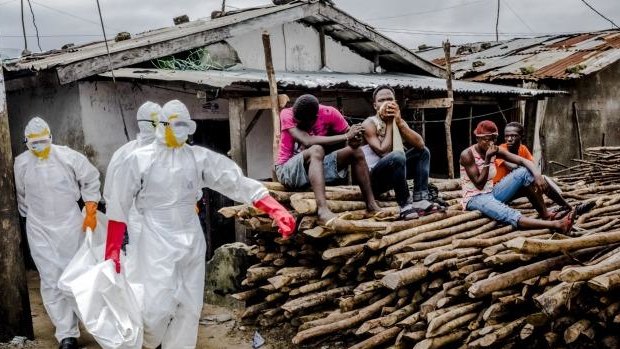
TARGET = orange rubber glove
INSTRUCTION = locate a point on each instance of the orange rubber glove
(114, 242)
(284, 220)
(90, 219)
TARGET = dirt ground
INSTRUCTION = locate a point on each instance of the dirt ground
(219, 328)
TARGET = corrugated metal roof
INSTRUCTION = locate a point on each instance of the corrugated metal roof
(567, 56)
(91, 59)
(224, 79)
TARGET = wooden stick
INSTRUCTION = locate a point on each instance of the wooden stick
(362, 315)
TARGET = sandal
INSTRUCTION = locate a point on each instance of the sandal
(558, 213)
(408, 214)
(584, 208)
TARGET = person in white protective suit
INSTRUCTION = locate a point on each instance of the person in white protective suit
(147, 117)
(165, 179)
(50, 179)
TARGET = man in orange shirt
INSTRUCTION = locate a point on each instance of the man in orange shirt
(513, 134)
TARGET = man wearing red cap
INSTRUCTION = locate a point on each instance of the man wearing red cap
(479, 193)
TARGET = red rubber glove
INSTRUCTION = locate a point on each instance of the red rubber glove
(284, 220)
(114, 241)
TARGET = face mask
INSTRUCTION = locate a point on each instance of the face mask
(40, 148)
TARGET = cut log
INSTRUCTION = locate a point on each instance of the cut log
(404, 277)
(447, 254)
(378, 339)
(394, 238)
(311, 287)
(573, 274)
(515, 276)
(535, 246)
(312, 300)
(439, 342)
(555, 300)
(282, 280)
(581, 327)
(361, 316)
(605, 282)
(343, 251)
(435, 324)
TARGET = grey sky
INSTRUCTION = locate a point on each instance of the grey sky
(411, 22)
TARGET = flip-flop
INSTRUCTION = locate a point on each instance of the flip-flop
(409, 214)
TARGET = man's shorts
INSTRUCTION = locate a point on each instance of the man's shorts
(293, 173)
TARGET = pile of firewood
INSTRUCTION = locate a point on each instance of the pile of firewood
(600, 165)
(449, 279)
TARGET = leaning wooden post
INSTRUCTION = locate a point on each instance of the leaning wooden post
(448, 121)
(273, 93)
(14, 304)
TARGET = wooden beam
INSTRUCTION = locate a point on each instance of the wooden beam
(264, 102)
(448, 121)
(322, 47)
(15, 305)
(252, 123)
(130, 52)
(273, 93)
(237, 123)
(434, 103)
(364, 30)
(356, 41)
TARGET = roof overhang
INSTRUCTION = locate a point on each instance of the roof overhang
(325, 80)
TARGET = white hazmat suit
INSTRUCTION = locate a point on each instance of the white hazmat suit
(147, 117)
(49, 181)
(165, 180)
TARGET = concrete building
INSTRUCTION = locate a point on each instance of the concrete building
(584, 65)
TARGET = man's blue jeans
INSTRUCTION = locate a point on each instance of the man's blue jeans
(493, 204)
(392, 171)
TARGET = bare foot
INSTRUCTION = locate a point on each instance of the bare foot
(325, 215)
(566, 223)
(372, 207)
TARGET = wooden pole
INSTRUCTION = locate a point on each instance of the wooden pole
(322, 47)
(471, 112)
(448, 121)
(273, 93)
(14, 304)
(576, 119)
(236, 120)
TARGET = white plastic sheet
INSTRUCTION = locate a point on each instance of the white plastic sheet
(105, 303)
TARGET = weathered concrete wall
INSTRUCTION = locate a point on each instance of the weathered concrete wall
(598, 104)
(101, 119)
(59, 106)
(295, 47)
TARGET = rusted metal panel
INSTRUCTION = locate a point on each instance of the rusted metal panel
(561, 57)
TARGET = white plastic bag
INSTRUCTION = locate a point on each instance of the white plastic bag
(105, 303)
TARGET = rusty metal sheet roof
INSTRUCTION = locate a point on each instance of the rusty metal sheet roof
(232, 78)
(559, 57)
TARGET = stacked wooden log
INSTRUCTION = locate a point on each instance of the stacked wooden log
(449, 279)
(600, 165)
